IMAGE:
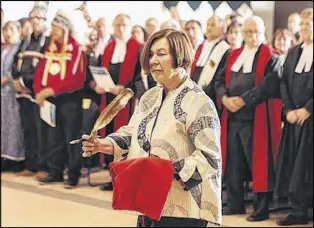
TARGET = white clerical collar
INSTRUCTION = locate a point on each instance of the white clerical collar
(119, 50)
(101, 45)
(124, 40)
(246, 59)
(207, 48)
(105, 39)
(304, 45)
(306, 58)
(212, 42)
(198, 44)
(282, 59)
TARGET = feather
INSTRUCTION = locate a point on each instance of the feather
(112, 110)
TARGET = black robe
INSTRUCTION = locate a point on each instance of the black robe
(196, 73)
(294, 166)
(31, 43)
(136, 85)
(243, 85)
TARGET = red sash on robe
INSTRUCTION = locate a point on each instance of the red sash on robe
(260, 137)
(126, 74)
(197, 55)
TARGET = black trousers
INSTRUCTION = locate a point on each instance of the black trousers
(239, 166)
(34, 131)
(89, 117)
(298, 204)
(68, 128)
(43, 155)
(144, 221)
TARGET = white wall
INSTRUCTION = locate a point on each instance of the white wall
(265, 10)
(138, 10)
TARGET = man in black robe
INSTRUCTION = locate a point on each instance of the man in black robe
(294, 167)
(122, 59)
(250, 78)
(210, 57)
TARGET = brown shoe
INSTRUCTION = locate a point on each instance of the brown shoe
(25, 173)
(41, 175)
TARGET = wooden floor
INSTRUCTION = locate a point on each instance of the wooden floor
(26, 203)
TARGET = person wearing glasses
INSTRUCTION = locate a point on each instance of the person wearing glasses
(23, 75)
(246, 87)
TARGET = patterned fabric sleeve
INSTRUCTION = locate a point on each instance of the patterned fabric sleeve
(121, 139)
(203, 128)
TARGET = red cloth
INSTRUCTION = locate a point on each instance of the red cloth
(141, 185)
(260, 137)
(74, 79)
(126, 74)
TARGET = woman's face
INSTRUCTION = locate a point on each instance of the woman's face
(11, 34)
(234, 37)
(160, 61)
(283, 44)
(93, 36)
(138, 34)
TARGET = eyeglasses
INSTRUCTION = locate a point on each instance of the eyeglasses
(36, 17)
(251, 32)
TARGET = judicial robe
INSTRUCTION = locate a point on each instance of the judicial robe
(294, 166)
(128, 74)
(205, 76)
(261, 86)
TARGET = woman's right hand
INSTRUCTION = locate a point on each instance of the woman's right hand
(91, 147)
(5, 80)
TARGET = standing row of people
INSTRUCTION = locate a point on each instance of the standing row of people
(243, 78)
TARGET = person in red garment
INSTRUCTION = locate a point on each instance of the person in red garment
(59, 77)
(210, 57)
(251, 121)
(122, 59)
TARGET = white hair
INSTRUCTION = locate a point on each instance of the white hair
(171, 24)
(258, 20)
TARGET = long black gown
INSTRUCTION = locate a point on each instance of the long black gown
(294, 166)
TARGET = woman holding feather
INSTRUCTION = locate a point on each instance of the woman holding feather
(175, 121)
